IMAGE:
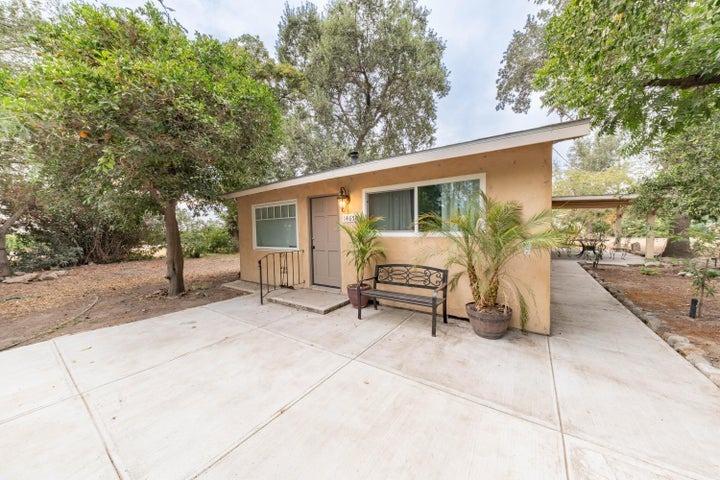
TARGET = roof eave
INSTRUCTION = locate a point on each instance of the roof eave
(551, 133)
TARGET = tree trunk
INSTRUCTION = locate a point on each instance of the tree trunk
(678, 245)
(4, 263)
(617, 226)
(174, 255)
(4, 230)
(650, 237)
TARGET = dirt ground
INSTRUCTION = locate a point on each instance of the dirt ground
(96, 296)
(668, 295)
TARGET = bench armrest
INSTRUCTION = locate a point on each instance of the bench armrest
(439, 288)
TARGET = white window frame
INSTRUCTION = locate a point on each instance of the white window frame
(414, 185)
(255, 206)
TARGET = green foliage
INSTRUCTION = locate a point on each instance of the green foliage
(374, 70)
(644, 67)
(128, 95)
(229, 217)
(703, 281)
(596, 153)
(702, 278)
(13, 243)
(483, 242)
(706, 239)
(105, 230)
(649, 271)
(299, 32)
(613, 180)
(307, 147)
(523, 57)
(205, 239)
(29, 255)
(641, 66)
(122, 99)
(18, 19)
(689, 173)
(635, 225)
(638, 65)
(365, 245)
(595, 166)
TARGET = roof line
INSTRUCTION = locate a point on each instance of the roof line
(603, 196)
(549, 133)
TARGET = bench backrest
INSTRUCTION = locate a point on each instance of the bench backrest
(417, 276)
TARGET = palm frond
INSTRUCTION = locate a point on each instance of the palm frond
(364, 243)
(484, 239)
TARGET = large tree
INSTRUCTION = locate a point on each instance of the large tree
(595, 165)
(647, 67)
(688, 179)
(374, 71)
(140, 106)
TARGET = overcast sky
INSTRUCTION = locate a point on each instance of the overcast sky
(476, 33)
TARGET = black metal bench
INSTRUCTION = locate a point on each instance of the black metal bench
(411, 276)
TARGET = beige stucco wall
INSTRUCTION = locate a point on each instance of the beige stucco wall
(521, 174)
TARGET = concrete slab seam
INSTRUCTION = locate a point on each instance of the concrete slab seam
(292, 403)
(99, 431)
(557, 407)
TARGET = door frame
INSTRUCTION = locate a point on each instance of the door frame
(310, 242)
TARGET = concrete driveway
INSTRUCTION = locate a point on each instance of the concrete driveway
(236, 390)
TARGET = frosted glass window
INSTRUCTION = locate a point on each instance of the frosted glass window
(276, 226)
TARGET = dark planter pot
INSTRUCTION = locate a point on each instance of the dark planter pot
(489, 323)
(352, 292)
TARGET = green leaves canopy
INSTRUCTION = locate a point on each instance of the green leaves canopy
(125, 96)
(648, 67)
(374, 70)
(688, 179)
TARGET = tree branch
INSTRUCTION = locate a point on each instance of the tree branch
(10, 221)
(690, 81)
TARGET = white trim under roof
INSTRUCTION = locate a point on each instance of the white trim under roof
(551, 133)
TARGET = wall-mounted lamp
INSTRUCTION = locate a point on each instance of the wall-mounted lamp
(343, 200)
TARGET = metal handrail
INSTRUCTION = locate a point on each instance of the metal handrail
(282, 270)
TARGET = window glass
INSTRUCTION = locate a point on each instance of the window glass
(447, 199)
(276, 226)
(396, 209)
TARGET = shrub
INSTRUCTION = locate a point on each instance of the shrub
(28, 255)
(201, 240)
(649, 271)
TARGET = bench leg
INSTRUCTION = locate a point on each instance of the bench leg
(444, 311)
(434, 320)
(359, 310)
(375, 302)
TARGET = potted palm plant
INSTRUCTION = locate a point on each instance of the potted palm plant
(483, 241)
(364, 249)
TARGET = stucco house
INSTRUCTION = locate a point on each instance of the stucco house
(302, 214)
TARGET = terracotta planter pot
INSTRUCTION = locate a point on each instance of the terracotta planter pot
(489, 323)
(352, 292)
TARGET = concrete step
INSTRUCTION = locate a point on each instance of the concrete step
(312, 300)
